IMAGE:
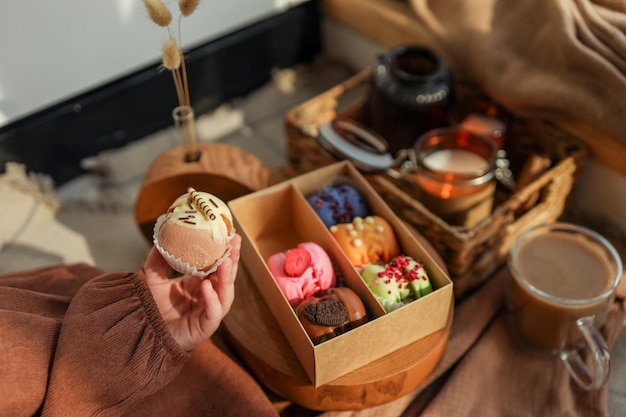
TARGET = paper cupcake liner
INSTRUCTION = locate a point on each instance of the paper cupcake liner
(178, 264)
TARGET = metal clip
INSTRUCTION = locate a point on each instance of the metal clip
(503, 171)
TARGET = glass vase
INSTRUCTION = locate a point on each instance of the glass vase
(185, 125)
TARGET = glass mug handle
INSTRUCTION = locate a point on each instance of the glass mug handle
(596, 377)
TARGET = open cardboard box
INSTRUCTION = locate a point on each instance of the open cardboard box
(278, 218)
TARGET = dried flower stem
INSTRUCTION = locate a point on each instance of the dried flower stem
(187, 7)
(173, 59)
(185, 83)
(158, 12)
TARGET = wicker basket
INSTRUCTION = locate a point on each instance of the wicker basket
(471, 254)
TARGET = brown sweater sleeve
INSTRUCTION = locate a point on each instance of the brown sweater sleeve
(113, 350)
(32, 307)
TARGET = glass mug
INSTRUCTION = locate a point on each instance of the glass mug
(563, 281)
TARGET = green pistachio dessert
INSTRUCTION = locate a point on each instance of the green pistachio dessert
(398, 282)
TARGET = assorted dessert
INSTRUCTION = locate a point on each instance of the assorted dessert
(398, 282)
(307, 278)
(302, 272)
(370, 244)
(332, 314)
(338, 203)
(194, 235)
(366, 240)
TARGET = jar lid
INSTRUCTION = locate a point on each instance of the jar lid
(350, 140)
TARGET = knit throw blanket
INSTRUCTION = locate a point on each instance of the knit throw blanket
(560, 60)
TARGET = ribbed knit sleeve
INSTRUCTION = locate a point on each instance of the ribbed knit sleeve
(113, 350)
(32, 307)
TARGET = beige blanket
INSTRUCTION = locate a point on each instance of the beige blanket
(560, 60)
(30, 234)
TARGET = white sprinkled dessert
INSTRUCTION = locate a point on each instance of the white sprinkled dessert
(366, 240)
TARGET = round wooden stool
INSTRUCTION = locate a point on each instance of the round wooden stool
(223, 170)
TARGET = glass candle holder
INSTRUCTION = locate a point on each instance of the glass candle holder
(455, 171)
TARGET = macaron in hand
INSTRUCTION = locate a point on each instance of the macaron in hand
(194, 235)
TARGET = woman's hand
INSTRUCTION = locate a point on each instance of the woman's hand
(193, 306)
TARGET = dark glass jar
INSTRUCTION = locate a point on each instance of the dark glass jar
(411, 93)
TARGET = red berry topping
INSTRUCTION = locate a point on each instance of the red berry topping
(297, 261)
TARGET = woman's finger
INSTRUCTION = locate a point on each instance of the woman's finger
(155, 265)
(213, 311)
(223, 283)
(235, 254)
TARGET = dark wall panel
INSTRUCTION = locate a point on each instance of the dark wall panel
(55, 140)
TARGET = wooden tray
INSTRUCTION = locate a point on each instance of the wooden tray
(253, 333)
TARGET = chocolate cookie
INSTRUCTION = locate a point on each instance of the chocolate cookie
(332, 314)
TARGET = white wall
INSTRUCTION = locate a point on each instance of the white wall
(55, 49)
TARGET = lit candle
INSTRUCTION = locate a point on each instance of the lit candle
(456, 174)
(455, 161)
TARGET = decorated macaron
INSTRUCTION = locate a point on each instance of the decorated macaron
(339, 202)
(332, 314)
(302, 272)
(365, 240)
(397, 283)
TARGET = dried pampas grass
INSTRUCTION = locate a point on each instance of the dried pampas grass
(173, 58)
(187, 7)
(171, 55)
(158, 12)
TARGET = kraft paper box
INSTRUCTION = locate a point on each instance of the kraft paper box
(278, 218)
